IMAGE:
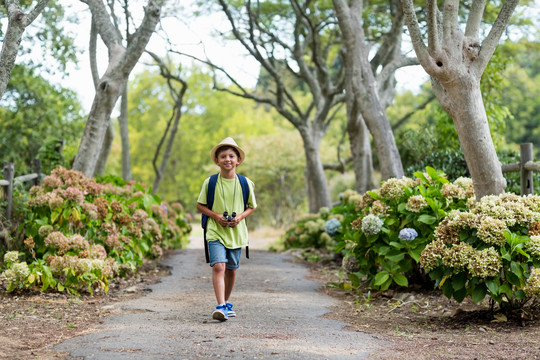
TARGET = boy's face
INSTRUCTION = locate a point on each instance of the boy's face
(227, 159)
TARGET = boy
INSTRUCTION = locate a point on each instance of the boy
(226, 233)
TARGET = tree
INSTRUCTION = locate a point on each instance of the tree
(207, 117)
(18, 21)
(301, 77)
(177, 89)
(122, 60)
(371, 85)
(38, 120)
(456, 61)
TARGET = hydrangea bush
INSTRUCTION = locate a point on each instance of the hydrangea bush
(387, 229)
(82, 232)
(492, 249)
(313, 231)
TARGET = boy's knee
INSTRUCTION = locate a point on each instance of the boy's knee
(218, 267)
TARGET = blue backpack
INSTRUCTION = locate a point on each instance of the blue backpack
(210, 202)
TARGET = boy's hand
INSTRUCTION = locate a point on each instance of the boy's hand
(221, 220)
(235, 221)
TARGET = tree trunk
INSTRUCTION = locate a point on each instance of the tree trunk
(365, 89)
(121, 62)
(18, 21)
(105, 150)
(316, 183)
(456, 61)
(469, 116)
(124, 136)
(107, 94)
(361, 154)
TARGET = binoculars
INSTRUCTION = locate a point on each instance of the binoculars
(229, 217)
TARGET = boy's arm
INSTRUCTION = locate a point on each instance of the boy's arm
(211, 214)
(241, 216)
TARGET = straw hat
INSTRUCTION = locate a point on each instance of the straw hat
(229, 141)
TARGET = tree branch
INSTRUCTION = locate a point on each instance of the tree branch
(474, 20)
(490, 42)
(422, 106)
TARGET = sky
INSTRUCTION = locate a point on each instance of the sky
(231, 57)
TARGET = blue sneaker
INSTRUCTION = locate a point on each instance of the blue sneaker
(220, 313)
(230, 311)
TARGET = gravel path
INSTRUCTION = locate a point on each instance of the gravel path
(279, 317)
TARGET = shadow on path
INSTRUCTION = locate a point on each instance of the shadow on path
(279, 317)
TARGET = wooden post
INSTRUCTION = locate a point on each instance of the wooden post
(37, 170)
(9, 172)
(526, 176)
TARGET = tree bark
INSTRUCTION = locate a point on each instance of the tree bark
(456, 61)
(105, 150)
(361, 153)
(474, 135)
(18, 21)
(124, 136)
(365, 88)
(316, 184)
(121, 63)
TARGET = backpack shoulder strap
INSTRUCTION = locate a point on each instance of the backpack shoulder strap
(245, 194)
(209, 198)
(245, 189)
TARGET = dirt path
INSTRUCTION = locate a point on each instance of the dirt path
(279, 317)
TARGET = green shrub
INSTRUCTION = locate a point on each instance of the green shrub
(491, 249)
(81, 232)
(309, 232)
(389, 227)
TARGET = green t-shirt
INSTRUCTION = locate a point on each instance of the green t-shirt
(230, 237)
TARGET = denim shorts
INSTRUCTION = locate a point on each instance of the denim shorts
(220, 254)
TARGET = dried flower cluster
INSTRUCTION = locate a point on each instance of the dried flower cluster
(394, 189)
(532, 289)
(483, 227)
(416, 203)
(371, 224)
(90, 228)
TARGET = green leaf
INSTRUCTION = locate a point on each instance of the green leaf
(427, 219)
(513, 279)
(447, 289)
(386, 284)
(396, 258)
(520, 295)
(460, 294)
(432, 172)
(397, 245)
(505, 254)
(479, 293)
(505, 289)
(516, 269)
(380, 278)
(459, 281)
(400, 279)
(415, 254)
(492, 286)
(355, 280)
(521, 251)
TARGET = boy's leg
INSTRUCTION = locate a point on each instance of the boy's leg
(233, 262)
(230, 278)
(218, 259)
(218, 280)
